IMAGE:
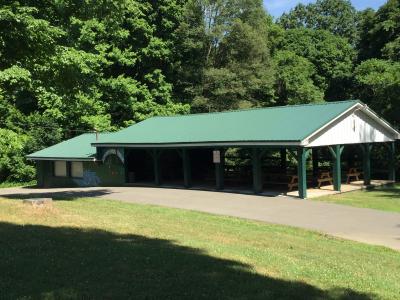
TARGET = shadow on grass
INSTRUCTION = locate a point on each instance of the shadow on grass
(386, 191)
(69, 194)
(68, 263)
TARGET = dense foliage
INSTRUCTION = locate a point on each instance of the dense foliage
(73, 66)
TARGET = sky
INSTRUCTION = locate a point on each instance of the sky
(277, 7)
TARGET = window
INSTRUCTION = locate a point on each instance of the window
(77, 169)
(60, 168)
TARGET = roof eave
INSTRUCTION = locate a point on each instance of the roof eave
(305, 141)
(361, 106)
(62, 158)
(198, 144)
(381, 121)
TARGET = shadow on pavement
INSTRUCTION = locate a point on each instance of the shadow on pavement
(69, 194)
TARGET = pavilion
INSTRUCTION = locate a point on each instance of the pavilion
(192, 147)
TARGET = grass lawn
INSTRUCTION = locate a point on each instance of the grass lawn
(384, 198)
(16, 184)
(99, 249)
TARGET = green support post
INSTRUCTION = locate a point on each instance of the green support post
(156, 165)
(219, 171)
(392, 160)
(336, 151)
(257, 170)
(125, 160)
(187, 172)
(40, 164)
(367, 163)
(301, 172)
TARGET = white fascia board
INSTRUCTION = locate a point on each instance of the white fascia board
(355, 107)
(381, 121)
(305, 141)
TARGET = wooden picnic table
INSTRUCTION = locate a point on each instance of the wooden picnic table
(324, 177)
(289, 180)
(353, 173)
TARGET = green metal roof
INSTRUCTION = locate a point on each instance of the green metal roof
(76, 148)
(274, 124)
(282, 124)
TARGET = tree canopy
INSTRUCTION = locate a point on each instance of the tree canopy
(336, 16)
(72, 66)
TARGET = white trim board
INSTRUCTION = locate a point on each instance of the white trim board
(354, 127)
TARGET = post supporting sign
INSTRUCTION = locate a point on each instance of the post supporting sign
(219, 168)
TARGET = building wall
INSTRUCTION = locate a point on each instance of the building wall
(111, 172)
(355, 128)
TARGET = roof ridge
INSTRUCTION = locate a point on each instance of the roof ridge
(94, 132)
(257, 108)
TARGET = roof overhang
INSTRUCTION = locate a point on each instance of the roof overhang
(356, 107)
(393, 133)
(381, 121)
(62, 158)
(200, 144)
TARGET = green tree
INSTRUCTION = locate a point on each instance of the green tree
(332, 56)
(336, 16)
(27, 44)
(189, 53)
(366, 22)
(294, 81)
(378, 84)
(13, 166)
(381, 32)
(78, 66)
(73, 48)
(230, 39)
(128, 46)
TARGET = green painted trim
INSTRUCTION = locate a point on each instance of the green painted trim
(301, 172)
(366, 163)
(337, 170)
(392, 161)
(308, 152)
(156, 166)
(334, 151)
(256, 156)
(295, 155)
(187, 171)
(219, 171)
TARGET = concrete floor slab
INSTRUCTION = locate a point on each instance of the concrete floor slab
(346, 187)
(359, 224)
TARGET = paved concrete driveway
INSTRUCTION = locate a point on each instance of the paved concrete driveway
(359, 224)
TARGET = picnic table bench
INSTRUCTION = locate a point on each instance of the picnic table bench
(291, 181)
(353, 173)
(324, 177)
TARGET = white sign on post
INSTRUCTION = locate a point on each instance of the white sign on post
(216, 157)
